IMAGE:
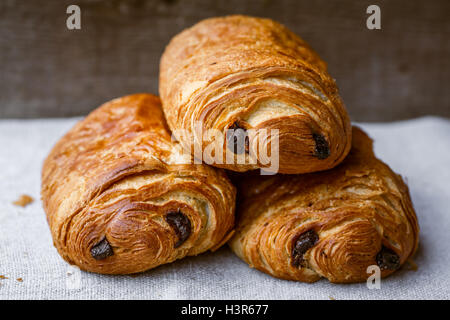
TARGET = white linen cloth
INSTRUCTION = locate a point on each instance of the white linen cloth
(418, 149)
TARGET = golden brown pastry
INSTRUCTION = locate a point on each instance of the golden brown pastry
(117, 199)
(245, 73)
(332, 224)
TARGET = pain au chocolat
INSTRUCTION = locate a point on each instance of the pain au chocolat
(255, 75)
(332, 224)
(117, 199)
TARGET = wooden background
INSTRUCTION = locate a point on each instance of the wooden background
(46, 70)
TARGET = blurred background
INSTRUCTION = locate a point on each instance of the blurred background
(401, 71)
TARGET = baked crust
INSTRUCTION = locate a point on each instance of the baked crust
(109, 185)
(356, 215)
(255, 74)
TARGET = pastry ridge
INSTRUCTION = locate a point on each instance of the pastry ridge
(331, 224)
(118, 202)
(255, 73)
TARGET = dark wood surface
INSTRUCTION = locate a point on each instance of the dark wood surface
(46, 70)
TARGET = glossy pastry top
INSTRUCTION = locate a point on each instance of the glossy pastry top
(119, 201)
(331, 224)
(252, 73)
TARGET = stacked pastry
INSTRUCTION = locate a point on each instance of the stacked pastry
(120, 200)
(122, 196)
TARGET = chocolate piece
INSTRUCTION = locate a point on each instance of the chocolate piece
(102, 250)
(237, 139)
(387, 259)
(180, 224)
(322, 150)
(302, 244)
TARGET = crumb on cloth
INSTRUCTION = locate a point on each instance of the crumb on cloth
(23, 200)
(19, 279)
(3, 277)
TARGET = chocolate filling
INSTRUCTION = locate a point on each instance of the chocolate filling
(387, 259)
(303, 243)
(102, 250)
(322, 150)
(237, 139)
(180, 224)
